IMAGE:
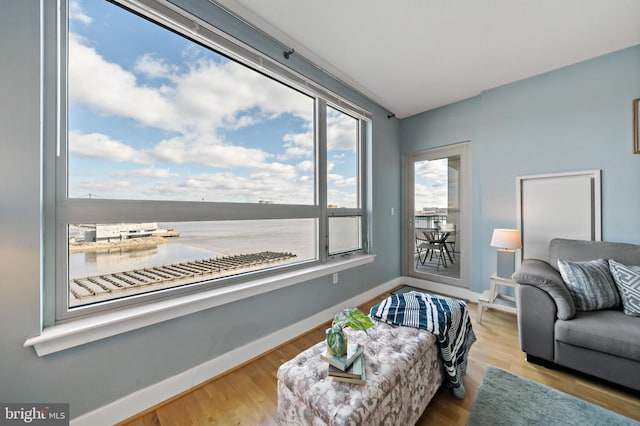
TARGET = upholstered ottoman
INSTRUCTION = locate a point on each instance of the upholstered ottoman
(403, 372)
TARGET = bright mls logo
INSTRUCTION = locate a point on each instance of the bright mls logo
(34, 414)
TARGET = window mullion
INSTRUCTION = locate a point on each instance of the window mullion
(362, 178)
(53, 106)
(109, 211)
(321, 165)
(344, 212)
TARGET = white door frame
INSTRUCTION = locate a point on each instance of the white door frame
(464, 236)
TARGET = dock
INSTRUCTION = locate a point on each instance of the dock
(98, 288)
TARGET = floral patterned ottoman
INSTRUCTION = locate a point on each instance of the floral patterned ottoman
(403, 372)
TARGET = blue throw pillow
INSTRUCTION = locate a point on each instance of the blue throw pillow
(627, 279)
(590, 284)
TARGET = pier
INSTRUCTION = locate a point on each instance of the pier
(98, 288)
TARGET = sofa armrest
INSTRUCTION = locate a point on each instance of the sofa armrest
(540, 274)
(536, 322)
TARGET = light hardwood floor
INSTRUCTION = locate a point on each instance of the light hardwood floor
(247, 395)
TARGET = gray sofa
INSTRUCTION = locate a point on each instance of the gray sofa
(602, 343)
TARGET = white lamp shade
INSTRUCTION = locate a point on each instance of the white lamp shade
(506, 238)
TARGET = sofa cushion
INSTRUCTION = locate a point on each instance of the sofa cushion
(608, 331)
(540, 274)
(561, 248)
(590, 284)
(627, 278)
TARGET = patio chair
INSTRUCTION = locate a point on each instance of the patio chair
(438, 246)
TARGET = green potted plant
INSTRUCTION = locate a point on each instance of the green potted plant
(336, 337)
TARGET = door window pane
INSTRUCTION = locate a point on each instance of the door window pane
(437, 216)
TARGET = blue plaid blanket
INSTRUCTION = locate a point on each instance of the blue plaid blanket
(447, 318)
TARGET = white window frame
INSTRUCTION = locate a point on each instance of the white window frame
(93, 322)
(357, 211)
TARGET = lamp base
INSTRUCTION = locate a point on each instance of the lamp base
(506, 263)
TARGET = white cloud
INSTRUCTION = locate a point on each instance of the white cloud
(234, 123)
(182, 150)
(342, 198)
(342, 131)
(203, 99)
(428, 197)
(97, 188)
(152, 173)
(152, 67)
(101, 146)
(306, 166)
(229, 187)
(297, 145)
(431, 186)
(433, 169)
(277, 182)
(198, 105)
(341, 181)
(77, 13)
(109, 89)
(276, 173)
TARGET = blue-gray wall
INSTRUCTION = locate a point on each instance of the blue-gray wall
(572, 119)
(576, 118)
(95, 374)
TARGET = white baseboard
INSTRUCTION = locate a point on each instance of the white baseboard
(150, 396)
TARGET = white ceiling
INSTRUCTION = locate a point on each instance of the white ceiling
(414, 55)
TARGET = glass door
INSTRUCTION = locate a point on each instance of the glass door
(437, 220)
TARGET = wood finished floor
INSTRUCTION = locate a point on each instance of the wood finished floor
(247, 395)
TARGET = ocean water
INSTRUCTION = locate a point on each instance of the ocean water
(205, 240)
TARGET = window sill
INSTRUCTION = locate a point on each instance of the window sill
(79, 332)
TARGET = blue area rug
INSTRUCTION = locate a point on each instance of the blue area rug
(506, 399)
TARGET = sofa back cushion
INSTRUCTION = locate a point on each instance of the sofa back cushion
(580, 250)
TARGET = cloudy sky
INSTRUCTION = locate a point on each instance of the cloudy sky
(155, 116)
(431, 184)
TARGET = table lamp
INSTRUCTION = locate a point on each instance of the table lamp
(507, 240)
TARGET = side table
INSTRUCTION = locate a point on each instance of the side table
(492, 299)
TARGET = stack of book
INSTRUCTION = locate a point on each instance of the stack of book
(348, 368)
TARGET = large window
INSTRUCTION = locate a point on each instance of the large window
(181, 164)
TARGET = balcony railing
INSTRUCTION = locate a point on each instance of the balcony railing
(430, 221)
